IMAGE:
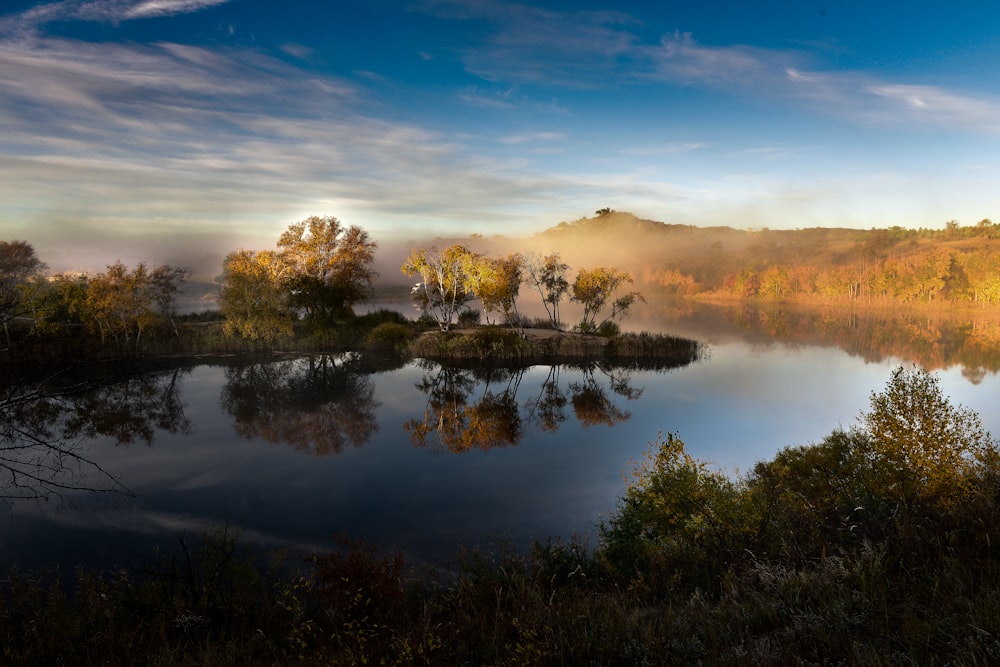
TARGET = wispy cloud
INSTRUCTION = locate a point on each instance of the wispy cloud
(680, 59)
(533, 138)
(603, 50)
(535, 45)
(103, 10)
(140, 142)
(151, 8)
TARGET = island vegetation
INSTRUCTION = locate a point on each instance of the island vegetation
(876, 545)
(302, 295)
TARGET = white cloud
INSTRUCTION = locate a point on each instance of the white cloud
(113, 145)
(150, 8)
(102, 10)
(602, 51)
(533, 138)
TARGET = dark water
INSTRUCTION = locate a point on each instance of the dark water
(293, 453)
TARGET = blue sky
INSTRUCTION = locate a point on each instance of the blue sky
(177, 130)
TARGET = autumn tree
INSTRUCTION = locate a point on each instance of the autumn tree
(923, 448)
(496, 282)
(329, 267)
(164, 284)
(594, 287)
(547, 275)
(119, 302)
(458, 425)
(255, 296)
(53, 304)
(444, 288)
(18, 264)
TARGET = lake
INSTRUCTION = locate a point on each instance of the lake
(293, 453)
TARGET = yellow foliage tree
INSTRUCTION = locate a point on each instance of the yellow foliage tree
(922, 448)
(254, 296)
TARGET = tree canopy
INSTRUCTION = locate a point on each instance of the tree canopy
(318, 271)
(18, 263)
(444, 288)
(329, 267)
(592, 289)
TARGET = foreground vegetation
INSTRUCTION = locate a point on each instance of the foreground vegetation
(877, 545)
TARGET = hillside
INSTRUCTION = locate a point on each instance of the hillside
(880, 265)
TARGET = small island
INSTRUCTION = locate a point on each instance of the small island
(301, 298)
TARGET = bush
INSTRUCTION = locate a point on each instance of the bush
(469, 318)
(607, 329)
(390, 336)
(382, 316)
(679, 523)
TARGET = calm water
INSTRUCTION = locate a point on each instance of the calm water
(296, 452)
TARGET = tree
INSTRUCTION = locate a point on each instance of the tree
(922, 447)
(18, 264)
(496, 282)
(593, 287)
(119, 302)
(678, 522)
(547, 275)
(444, 288)
(164, 284)
(255, 297)
(330, 267)
(55, 303)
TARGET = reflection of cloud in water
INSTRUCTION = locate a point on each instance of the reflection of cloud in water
(157, 524)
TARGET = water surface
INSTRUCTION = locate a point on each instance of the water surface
(293, 453)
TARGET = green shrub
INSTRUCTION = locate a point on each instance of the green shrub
(390, 336)
(679, 523)
(607, 329)
(469, 318)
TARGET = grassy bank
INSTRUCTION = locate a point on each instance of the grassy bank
(547, 346)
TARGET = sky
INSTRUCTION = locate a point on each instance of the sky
(175, 131)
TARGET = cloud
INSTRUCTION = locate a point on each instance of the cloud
(150, 8)
(102, 10)
(679, 59)
(120, 148)
(533, 137)
(535, 45)
(931, 104)
(603, 50)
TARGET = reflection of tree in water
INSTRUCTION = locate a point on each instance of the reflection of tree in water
(44, 423)
(548, 408)
(495, 420)
(931, 340)
(591, 402)
(131, 409)
(318, 404)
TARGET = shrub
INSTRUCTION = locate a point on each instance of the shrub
(390, 336)
(468, 318)
(607, 329)
(382, 316)
(678, 523)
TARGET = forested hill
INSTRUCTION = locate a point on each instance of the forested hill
(894, 265)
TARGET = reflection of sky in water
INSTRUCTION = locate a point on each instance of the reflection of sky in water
(737, 407)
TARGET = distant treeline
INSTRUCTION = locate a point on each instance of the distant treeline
(956, 265)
